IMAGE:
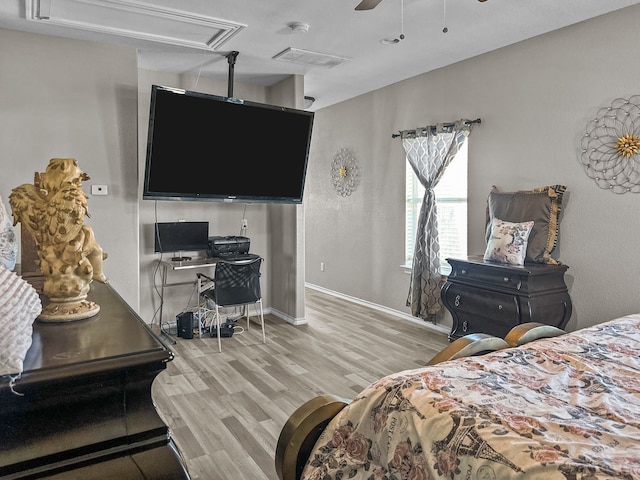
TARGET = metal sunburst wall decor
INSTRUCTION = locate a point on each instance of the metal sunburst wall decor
(610, 146)
(345, 172)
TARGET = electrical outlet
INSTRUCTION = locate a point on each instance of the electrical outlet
(244, 223)
(322, 266)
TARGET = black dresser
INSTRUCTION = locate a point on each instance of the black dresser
(85, 409)
(492, 298)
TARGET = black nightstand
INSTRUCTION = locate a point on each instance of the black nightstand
(492, 298)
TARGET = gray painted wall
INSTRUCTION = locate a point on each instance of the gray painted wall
(224, 219)
(64, 98)
(534, 99)
(68, 98)
(269, 226)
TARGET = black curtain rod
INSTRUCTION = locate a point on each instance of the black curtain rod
(446, 125)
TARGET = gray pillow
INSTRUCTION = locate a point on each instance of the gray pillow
(542, 205)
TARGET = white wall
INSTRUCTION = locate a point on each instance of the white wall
(534, 99)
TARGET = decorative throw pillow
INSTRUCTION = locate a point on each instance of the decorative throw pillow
(19, 307)
(542, 205)
(508, 242)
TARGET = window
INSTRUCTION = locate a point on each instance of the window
(451, 201)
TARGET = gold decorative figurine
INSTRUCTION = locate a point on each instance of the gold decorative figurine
(53, 211)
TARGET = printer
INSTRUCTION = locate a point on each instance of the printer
(227, 246)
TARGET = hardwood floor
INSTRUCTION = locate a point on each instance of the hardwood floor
(225, 410)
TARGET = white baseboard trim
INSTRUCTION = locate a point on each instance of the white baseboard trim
(286, 318)
(381, 308)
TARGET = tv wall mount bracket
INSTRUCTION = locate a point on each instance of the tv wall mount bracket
(231, 60)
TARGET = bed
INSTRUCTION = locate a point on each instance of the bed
(561, 407)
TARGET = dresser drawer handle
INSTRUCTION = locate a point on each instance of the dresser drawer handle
(456, 302)
(465, 326)
(499, 307)
(463, 271)
(506, 279)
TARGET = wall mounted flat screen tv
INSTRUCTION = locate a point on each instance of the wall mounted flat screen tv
(208, 147)
(177, 237)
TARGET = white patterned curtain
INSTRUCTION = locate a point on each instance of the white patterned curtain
(429, 151)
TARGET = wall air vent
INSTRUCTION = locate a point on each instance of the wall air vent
(134, 19)
(306, 57)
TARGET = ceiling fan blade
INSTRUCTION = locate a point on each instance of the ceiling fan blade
(367, 4)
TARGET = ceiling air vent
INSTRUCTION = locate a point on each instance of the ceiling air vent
(305, 57)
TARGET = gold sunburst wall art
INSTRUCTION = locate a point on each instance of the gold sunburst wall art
(345, 172)
(610, 146)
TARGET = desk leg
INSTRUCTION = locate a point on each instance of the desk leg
(163, 276)
(163, 279)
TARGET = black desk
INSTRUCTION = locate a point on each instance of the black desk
(167, 265)
(86, 410)
(195, 263)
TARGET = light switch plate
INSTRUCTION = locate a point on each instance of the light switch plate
(99, 190)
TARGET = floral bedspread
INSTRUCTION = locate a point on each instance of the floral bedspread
(561, 408)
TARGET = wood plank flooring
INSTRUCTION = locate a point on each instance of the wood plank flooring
(226, 410)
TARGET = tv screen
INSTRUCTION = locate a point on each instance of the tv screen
(173, 237)
(207, 147)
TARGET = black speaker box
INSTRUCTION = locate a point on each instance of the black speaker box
(184, 323)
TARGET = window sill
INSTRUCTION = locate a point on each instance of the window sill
(445, 270)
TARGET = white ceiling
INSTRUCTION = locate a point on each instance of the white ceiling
(194, 36)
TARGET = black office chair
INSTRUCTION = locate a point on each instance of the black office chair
(236, 283)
